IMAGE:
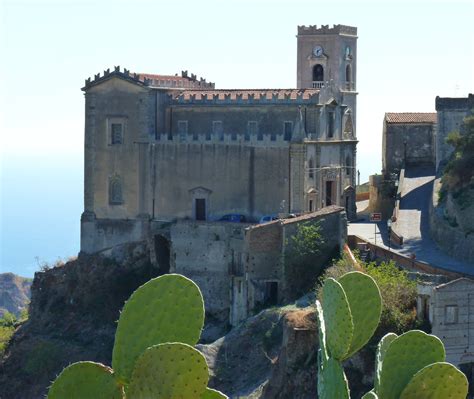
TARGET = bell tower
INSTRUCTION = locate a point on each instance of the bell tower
(326, 54)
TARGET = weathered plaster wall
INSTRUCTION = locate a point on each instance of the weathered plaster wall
(248, 180)
(101, 234)
(420, 147)
(207, 253)
(458, 334)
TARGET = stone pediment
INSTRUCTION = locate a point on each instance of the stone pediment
(199, 190)
(124, 75)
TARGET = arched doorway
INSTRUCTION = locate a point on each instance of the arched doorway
(162, 253)
(468, 369)
(318, 73)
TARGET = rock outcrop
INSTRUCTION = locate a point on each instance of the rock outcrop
(14, 293)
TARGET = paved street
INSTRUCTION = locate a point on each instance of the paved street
(413, 223)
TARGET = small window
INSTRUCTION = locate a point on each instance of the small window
(288, 130)
(217, 130)
(182, 130)
(348, 165)
(115, 191)
(252, 130)
(116, 133)
(311, 205)
(348, 74)
(331, 124)
(451, 314)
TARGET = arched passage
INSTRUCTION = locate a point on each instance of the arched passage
(162, 253)
(318, 73)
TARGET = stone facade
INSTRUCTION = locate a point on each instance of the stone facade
(450, 115)
(167, 148)
(240, 267)
(449, 308)
(408, 139)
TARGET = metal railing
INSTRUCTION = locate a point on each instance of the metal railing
(318, 84)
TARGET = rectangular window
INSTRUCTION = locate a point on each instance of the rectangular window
(217, 130)
(331, 124)
(451, 314)
(116, 133)
(252, 130)
(288, 130)
(182, 130)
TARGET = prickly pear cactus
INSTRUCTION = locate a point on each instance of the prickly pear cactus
(365, 303)
(169, 308)
(381, 349)
(172, 370)
(337, 318)
(85, 380)
(213, 394)
(333, 381)
(404, 357)
(437, 381)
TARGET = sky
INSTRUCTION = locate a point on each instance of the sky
(408, 53)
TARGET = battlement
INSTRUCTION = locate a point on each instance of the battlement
(454, 103)
(255, 96)
(151, 80)
(326, 30)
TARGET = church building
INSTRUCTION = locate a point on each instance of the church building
(164, 148)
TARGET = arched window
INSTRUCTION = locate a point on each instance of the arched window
(348, 165)
(311, 168)
(348, 73)
(348, 127)
(115, 191)
(318, 73)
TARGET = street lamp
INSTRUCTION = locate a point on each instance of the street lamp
(389, 229)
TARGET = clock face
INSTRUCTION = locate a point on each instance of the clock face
(318, 51)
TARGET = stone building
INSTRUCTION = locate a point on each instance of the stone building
(159, 149)
(450, 115)
(419, 139)
(408, 138)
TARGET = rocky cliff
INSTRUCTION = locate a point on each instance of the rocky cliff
(14, 293)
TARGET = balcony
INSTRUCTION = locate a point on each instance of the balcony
(318, 84)
(349, 86)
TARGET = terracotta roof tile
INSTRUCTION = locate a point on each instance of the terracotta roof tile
(410, 117)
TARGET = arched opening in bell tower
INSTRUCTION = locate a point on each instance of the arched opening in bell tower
(348, 77)
(318, 73)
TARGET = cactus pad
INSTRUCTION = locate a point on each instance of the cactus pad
(333, 382)
(321, 332)
(213, 394)
(171, 370)
(365, 303)
(437, 381)
(85, 380)
(370, 395)
(381, 350)
(337, 319)
(169, 308)
(404, 357)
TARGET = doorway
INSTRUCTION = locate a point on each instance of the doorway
(329, 192)
(162, 252)
(468, 370)
(271, 293)
(200, 209)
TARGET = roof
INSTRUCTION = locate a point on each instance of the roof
(246, 94)
(410, 117)
(454, 282)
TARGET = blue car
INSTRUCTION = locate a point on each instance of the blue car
(233, 217)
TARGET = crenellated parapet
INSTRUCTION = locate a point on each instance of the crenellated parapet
(182, 81)
(125, 74)
(263, 96)
(325, 29)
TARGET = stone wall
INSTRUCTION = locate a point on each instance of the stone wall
(419, 148)
(451, 112)
(447, 230)
(101, 234)
(208, 253)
